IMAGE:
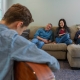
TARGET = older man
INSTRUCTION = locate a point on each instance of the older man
(43, 36)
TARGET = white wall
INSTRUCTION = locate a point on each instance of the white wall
(50, 11)
(4, 6)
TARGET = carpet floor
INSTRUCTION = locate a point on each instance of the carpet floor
(66, 73)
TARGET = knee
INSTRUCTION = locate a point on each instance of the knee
(70, 42)
(41, 43)
(67, 35)
(34, 40)
(57, 40)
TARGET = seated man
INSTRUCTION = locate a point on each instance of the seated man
(15, 47)
(43, 36)
(77, 36)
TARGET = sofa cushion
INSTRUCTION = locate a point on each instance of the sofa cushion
(74, 50)
(58, 47)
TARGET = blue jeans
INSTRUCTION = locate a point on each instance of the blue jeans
(38, 42)
(64, 39)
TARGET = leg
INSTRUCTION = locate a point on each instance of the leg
(40, 44)
(78, 41)
(57, 40)
(35, 40)
(69, 41)
(64, 38)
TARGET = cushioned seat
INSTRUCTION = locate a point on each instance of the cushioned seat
(73, 55)
(58, 47)
(74, 50)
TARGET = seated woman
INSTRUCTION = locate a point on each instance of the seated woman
(77, 36)
(63, 33)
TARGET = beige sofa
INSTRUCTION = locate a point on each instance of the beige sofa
(59, 51)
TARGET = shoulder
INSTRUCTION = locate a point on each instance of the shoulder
(9, 33)
(21, 40)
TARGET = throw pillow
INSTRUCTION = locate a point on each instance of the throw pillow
(25, 33)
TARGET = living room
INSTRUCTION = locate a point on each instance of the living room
(50, 11)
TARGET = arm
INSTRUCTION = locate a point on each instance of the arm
(52, 37)
(68, 30)
(57, 32)
(76, 36)
(79, 36)
(24, 50)
(62, 34)
(44, 40)
(37, 33)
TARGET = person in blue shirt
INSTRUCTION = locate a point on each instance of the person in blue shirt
(15, 47)
(43, 36)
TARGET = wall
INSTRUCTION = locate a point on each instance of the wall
(4, 6)
(50, 11)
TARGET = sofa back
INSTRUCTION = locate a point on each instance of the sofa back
(33, 29)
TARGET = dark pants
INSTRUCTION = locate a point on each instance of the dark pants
(78, 41)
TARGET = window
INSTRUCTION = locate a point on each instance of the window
(0, 9)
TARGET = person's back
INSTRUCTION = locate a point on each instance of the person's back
(5, 52)
(15, 47)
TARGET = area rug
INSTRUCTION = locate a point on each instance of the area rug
(66, 73)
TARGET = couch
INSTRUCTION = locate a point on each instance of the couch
(60, 51)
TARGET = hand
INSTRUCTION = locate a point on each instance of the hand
(45, 41)
(49, 41)
(62, 34)
(79, 36)
(54, 42)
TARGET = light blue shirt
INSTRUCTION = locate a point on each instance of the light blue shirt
(15, 47)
